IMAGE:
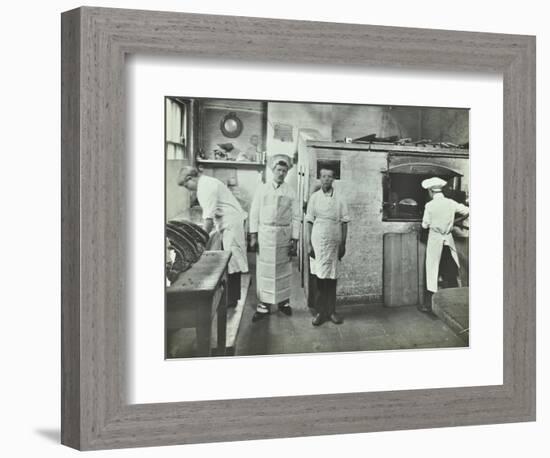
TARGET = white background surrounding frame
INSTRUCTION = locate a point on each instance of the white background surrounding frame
(152, 379)
(30, 189)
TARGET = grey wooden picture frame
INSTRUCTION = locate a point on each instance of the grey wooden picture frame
(95, 411)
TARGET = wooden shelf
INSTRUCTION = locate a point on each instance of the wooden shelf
(407, 149)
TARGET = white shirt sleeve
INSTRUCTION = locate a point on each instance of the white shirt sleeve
(311, 207)
(208, 200)
(462, 209)
(426, 220)
(344, 212)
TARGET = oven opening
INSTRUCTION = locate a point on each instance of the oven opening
(404, 197)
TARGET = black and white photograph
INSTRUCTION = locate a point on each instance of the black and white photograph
(299, 227)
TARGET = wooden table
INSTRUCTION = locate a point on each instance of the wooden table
(197, 297)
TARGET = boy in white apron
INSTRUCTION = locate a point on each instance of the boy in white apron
(439, 217)
(274, 229)
(327, 223)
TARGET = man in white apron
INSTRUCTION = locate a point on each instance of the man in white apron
(221, 209)
(439, 217)
(327, 223)
(274, 229)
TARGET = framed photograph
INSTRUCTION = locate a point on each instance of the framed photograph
(278, 228)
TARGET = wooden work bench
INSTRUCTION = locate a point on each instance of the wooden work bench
(199, 296)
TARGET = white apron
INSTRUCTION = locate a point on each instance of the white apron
(233, 240)
(436, 241)
(325, 238)
(273, 263)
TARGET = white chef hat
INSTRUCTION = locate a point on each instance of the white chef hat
(275, 159)
(434, 183)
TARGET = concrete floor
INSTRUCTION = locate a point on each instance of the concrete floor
(366, 327)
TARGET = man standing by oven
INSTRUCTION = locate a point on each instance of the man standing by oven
(440, 216)
(274, 229)
(221, 209)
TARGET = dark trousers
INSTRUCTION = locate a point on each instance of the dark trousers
(448, 269)
(326, 296)
(233, 288)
